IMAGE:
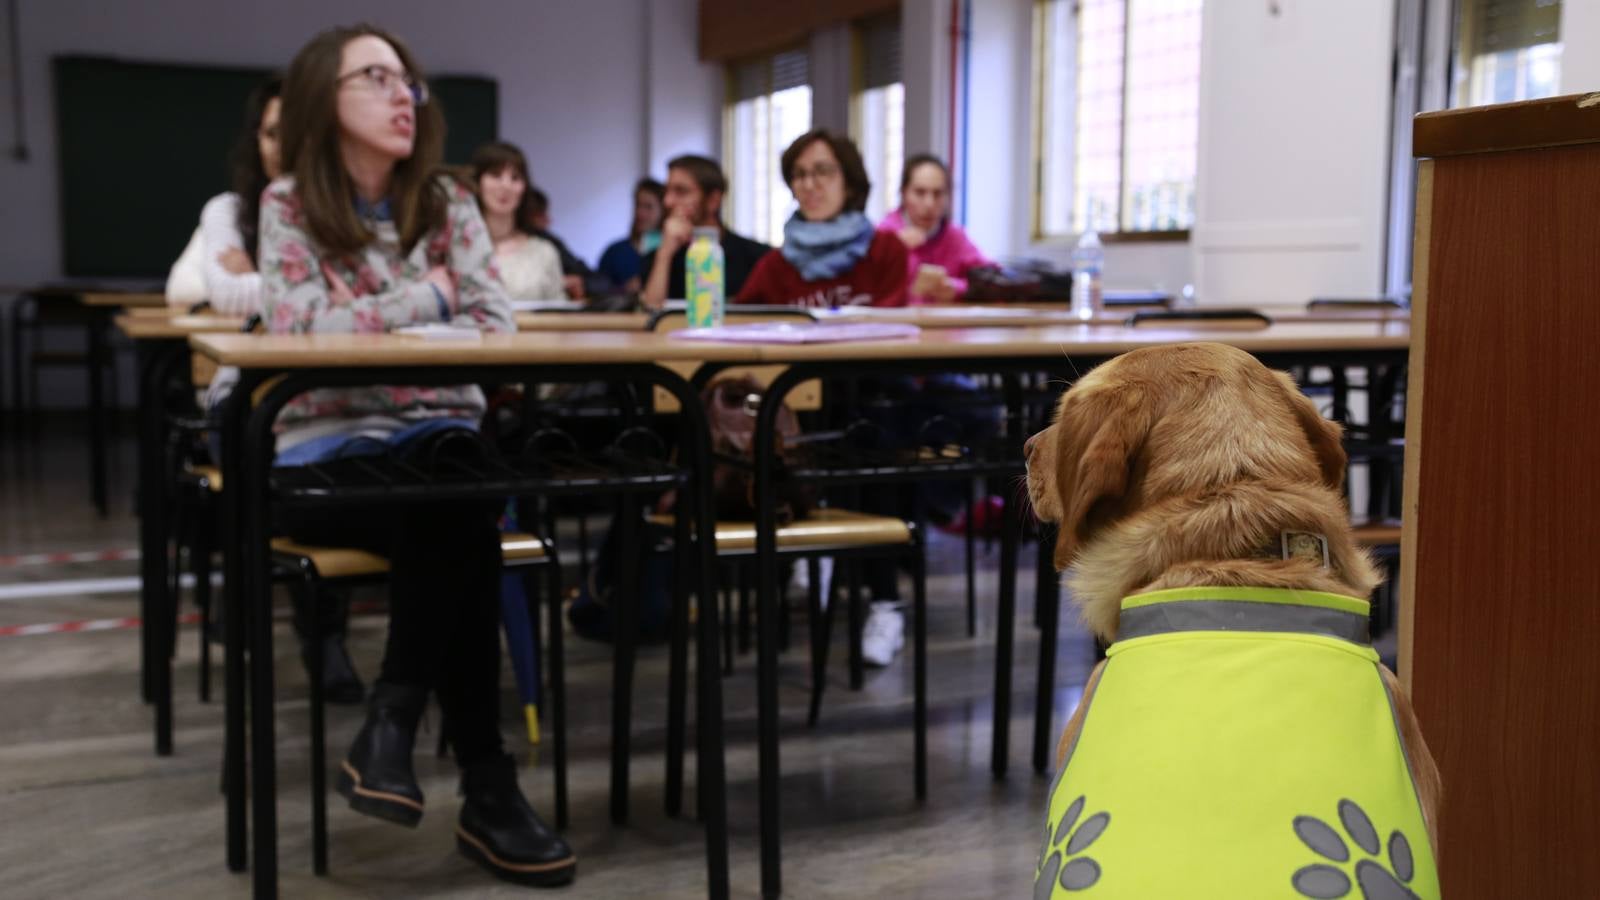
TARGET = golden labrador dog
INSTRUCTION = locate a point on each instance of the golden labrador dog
(1194, 470)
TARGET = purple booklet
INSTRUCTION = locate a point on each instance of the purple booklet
(801, 333)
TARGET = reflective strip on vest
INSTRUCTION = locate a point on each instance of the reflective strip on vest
(1239, 743)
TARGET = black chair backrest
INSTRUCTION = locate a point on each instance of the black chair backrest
(1355, 303)
(1219, 319)
(731, 315)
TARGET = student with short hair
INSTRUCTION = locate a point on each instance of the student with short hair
(575, 273)
(363, 234)
(621, 262)
(530, 266)
(694, 192)
(832, 256)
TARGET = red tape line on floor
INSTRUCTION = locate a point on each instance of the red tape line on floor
(130, 622)
(84, 556)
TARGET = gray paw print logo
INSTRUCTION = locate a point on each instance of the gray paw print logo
(1325, 882)
(1078, 872)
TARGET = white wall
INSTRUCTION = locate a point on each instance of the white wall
(576, 89)
(1580, 46)
(1294, 130)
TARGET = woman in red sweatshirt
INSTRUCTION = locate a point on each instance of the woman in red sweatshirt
(831, 254)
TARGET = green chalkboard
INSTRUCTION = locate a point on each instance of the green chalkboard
(142, 146)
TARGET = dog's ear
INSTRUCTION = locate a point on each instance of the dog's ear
(1094, 464)
(1323, 434)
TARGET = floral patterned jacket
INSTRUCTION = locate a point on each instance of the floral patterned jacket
(389, 292)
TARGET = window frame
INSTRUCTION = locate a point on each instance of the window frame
(730, 156)
(1042, 58)
(858, 96)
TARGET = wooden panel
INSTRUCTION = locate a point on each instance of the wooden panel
(731, 29)
(1552, 122)
(1506, 643)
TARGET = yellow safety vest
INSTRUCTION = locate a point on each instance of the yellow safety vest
(1240, 743)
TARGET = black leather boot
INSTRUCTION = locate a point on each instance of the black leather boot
(500, 831)
(331, 611)
(376, 775)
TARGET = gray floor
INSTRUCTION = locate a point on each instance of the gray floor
(90, 811)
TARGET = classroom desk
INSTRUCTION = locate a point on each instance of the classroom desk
(295, 363)
(1022, 315)
(1060, 351)
(581, 321)
(98, 304)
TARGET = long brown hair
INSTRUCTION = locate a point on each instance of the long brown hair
(249, 175)
(309, 130)
(494, 157)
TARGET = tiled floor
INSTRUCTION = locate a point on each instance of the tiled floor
(90, 811)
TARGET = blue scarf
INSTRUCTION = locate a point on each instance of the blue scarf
(822, 250)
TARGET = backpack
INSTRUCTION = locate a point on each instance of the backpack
(731, 404)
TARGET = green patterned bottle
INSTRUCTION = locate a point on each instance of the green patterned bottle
(706, 279)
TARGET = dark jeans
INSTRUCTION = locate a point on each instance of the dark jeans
(444, 604)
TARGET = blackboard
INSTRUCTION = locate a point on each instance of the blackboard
(142, 146)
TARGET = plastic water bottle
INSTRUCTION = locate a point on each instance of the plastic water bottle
(1088, 260)
(707, 281)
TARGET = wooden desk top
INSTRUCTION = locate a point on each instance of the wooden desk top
(590, 321)
(152, 327)
(1025, 316)
(98, 298)
(300, 351)
(1530, 124)
(1090, 340)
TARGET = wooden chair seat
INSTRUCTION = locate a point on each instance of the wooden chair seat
(209, 477)
(823, 528)
(517, 547)
(331, 562)
(1384, 533)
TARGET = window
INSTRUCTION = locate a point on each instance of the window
(1506, 50)
(1118, 87)
(769, 105)
(877, 121)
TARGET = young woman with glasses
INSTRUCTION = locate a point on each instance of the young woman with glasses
(364, 234)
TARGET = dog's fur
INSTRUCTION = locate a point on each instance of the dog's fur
(1180, 466)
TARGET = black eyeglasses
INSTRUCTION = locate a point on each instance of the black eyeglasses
(382, 80)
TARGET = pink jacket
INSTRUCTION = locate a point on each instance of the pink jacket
(949, 248)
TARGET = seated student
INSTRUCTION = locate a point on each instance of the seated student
(695, 188)
(831, 254)
(222, 270)
(939, 251)
(530, 267)
(620, 261)
(575, 273)
(362, 235)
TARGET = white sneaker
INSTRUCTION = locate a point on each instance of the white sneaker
(883, 634)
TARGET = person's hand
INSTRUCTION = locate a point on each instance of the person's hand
(944, 291)
(338, 291)
(913, 237)
(439, 277)
(929, 281)
(632, 285)
(573, 284)
(676, 232)
(235, 261)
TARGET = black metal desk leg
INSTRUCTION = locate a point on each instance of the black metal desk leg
(234, 783)
(97, 412)
(1010, 536)
(156, 625)
(1047, 602)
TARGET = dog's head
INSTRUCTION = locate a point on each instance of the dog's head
(1171, 422)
